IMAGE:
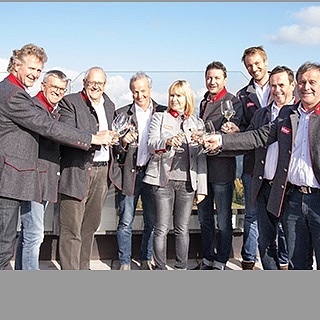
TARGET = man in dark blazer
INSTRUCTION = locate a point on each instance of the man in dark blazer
(272, 243)
(295, 191)
(254, 96)
(134, 161)
(221, 175)
(85, 174)
(21, 124)
(53, 87)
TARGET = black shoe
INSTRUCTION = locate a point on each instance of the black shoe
(202, 266)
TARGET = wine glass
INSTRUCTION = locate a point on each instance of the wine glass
(120, 125)
(208, 130)
(133, 129)
(179, 149)
(227, 109)
(196, 127)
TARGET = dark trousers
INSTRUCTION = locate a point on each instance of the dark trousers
(79, 220)
(9, 214)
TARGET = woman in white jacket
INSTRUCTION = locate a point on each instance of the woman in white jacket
(176, 177)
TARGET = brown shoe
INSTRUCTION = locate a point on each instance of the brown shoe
(247, 265)
(284, 267)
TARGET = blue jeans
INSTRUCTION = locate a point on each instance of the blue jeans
(221, 194)
(272, 243)
(249, 250)
(30, 236)
(9, 214)
(127, 210)
(301, 225)
(175, 200)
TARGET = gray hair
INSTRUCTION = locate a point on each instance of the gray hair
(57, 74)
(140, 75)
(93, 68)
(307, 66)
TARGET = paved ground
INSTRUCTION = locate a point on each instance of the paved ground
(233, 264)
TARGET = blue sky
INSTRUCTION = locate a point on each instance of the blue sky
(170, 40)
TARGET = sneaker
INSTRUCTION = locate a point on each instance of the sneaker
(125, 267)
(218, 265)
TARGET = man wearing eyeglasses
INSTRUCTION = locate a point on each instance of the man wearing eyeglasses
(53, 87)
(21, 125)
(85, 176)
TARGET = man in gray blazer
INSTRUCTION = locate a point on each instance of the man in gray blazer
(21, 124)
(295, 192)
(134, 161)
(53, 87)
(85, 174)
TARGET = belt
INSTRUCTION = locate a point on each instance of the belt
(141, 168)
(270, 182)
(100, 163)
(305, 190)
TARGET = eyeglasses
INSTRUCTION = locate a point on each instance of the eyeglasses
(55, 88)
(95, 83)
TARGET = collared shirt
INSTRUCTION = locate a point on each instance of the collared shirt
(144, 120)
(273, 150)
(263, 93)
(103, 153)
(300, 169)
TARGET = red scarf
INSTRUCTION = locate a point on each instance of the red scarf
(220, 95)
(317, 109)
(175, 113)
(13, 79)
(85, 97)
(44, 100)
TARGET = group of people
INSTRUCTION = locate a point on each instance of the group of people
(62, 148)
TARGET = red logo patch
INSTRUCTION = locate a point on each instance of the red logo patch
(286, 130)
(250, 104)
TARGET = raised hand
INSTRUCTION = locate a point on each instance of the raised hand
(105, 137)
(230, 127)
(212, 142)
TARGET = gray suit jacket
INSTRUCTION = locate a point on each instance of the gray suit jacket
(283, 130)
(164, 125)
(49, 159)
(21, 123)
(76, 111)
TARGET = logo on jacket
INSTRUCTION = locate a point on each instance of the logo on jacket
(286, 130)
(250, 104)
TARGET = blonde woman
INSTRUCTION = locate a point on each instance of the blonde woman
(176, 177)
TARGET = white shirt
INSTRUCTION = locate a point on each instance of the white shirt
(103, 153)
(272, 151)
(144, 120)
(300, 170)
(263, 93)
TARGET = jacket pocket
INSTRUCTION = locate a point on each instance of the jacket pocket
(20, 164)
